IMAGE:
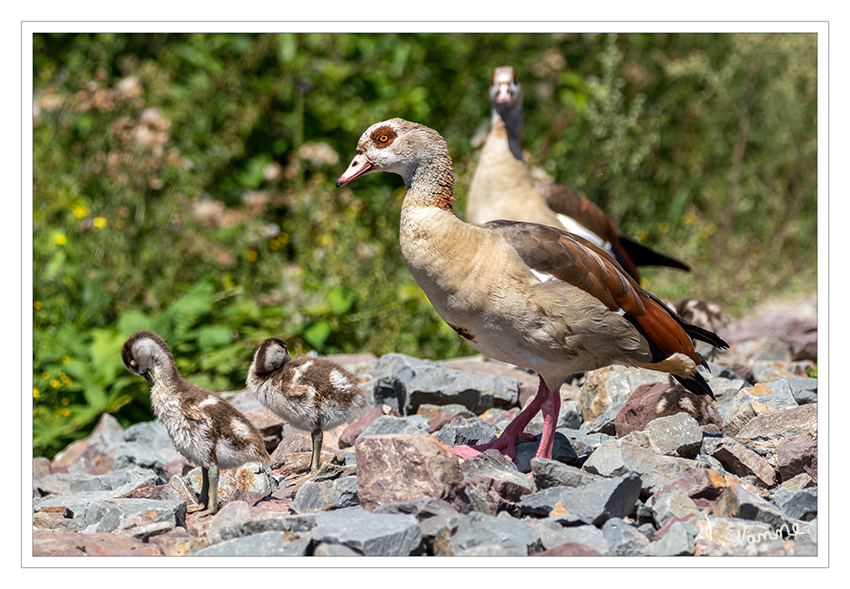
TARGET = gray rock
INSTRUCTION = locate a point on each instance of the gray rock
(738, 502)
(316, 496)
(672, 505)
(618, 457)
(116, 512)
(562, 451)
(603, 424)
(800, 505)
(551, 473)
(478, 530)
(592, 504)
(592, 441)
(677, 435)
(789, 422)
(262, 544)
(433, 514)
(327, 549)
(743, 462)
(678, 541)
(623, 538)
(368, 533)
(469, 432)
(146, 445)
(387, 424)
(607, 387)
(804, 390)
(127, 478)
(270, 522)
(553, 534)
(569, 416)
(757, 400)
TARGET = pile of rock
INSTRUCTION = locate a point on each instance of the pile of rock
(640, 467)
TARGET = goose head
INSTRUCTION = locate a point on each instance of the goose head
(396, 146)
(145, 353)
(505, 90)
(271, 355)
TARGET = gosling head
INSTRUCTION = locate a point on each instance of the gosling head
(144, 353)
(271, 355)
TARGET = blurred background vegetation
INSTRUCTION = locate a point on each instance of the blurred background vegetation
(184, 183)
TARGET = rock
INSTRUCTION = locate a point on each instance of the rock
(95, 453)
(570, 549)
(771, 370)
(113, 513)
(553, 534)
(739, 502)
(436, 517)
(477, 531)
(593, 504)
(676, 435)
(604, 423)
(771, 349)
(798, 455)
(500, 483)
(393, 468)
(262, 544)
(703, 485)
(562, 451)
(804, 390)
(440, 416)
(249, 477)
(233, 514)
(268, 424)
(678, 541)
(723, 536)
(367, 533)
(326, 549)
(606, 387)
(324, 495)
(800, 505)
(801, 481)
(623, 539)
(350, 434)
(672, 505)
(99, 544)
(789, 422)
(146, 445)
(742, 462)
(551, 473)
(387, 424)
(297, 525)
(757, 400)
(122, 481)
(470, 432)
(618, 457)
(651, 401)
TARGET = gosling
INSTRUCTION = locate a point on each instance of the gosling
(203, 427)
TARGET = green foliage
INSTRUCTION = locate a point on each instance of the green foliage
(183, 184)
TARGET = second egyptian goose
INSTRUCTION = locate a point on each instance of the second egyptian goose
(204, 428)
(503, 187)
(524, 293)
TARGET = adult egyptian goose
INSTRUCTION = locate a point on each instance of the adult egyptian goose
(524, 293)
(504, 188)
(203, 427)
(313, 394)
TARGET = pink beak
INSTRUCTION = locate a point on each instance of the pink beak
(359, 166)
(503, 94)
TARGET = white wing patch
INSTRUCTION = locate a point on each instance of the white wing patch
(207, 402)
(338, 380)
(239, 428)
(570, 225)
(541, 276)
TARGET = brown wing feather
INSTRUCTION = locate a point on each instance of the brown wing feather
(578, 262)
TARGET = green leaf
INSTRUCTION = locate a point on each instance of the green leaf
(341, 299)
(317, 333)
(211, 337)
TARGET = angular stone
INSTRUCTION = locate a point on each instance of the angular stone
(703, 485)
(678, 541)
(551, 473)
(562, 451)
(569, 549)
(618, 457)
(676, 435)
(604, 423)
(743, 462)
(95, 453)
(720, 536)
(316, 496)
(553, 534)
(368, 533)
(593, 504)
(470, 432)
(249, 477)
(50, 543)
(326, 549)
(262, 544)
(660, 399)
(801, 481)
(116, 512)
(623, 539)
(350, 433)
(477, 530)
(146, 445)
(498, 477)
(268, 424)
(757, 400)
(298, 525)
(737, 501)
(435, 517)
(569, 416)
(800, 505)
(798, 455)
(387, 424)
(672, 505)
(403, 467)
(606, 387)
(804, 389)
(789, 422)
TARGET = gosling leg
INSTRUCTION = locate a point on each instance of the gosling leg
(208, 500)
(317, 449)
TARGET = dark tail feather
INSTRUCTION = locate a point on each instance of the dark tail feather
(692, 330)
(696, 384)
(644, 256)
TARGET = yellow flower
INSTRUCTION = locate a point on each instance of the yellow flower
(324, 240)
(65, 359)
(663, 228)
(99, 222)
(283, 239)
(66, 412)
(251, 255)
(55, 383)
(274, 243)
(80, 211)
(35, 393)
(60, 239)
(37, 305)
(688, 218)
(65, 401)
(45, 375)
(66, 380)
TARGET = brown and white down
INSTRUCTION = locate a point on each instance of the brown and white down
(524, 293)
(312, 394)
(503, 187)
(204, 428)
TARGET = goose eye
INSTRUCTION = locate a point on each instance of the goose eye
(383, 138)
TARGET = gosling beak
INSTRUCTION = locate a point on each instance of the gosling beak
(359, 166)
(148, 376)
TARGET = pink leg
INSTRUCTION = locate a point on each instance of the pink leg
(551, 407)
(506, 443)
